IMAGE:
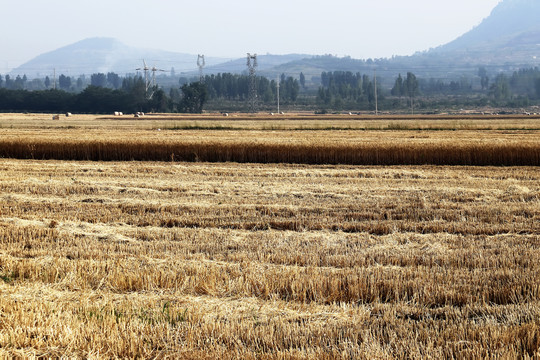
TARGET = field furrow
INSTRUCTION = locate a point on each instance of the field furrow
(199, 260)
(258, 237)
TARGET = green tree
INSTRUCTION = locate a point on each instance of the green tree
(411, 88)
(114, 80)
(19, 83)
(303, 80)
(159, 101)
(292, 88)
(136, 88)
(397, 90)
(80, 83)
(9, 82)
(175, 98)
(194, 97)
(64, 82)
(537, 87)
(99, 80)
(500, 89)
(484, 79)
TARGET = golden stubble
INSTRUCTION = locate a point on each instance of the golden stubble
(199, 260)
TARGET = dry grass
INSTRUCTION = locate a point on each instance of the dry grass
(202, 260)
(293, 121)
(404, 143)
(198, 260)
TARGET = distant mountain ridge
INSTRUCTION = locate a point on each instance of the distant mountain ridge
(104, 55)
(509, 20)
(508, 39)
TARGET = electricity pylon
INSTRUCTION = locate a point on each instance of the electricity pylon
(146, 81)
(201, 63)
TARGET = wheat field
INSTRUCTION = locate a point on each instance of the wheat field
(195, 260)
(295, 139)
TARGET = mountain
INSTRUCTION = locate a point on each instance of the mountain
(266, 64)
(110, 55)
(512, 24)
(107, 55)
(508, 39)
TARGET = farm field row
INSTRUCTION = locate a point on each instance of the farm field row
(400, 146)
(275, 122)
(206, 260)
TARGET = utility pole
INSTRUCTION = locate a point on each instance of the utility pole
(278, 95)
(252, 65)
(375, 81)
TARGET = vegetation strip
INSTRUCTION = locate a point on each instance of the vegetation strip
(245, 152)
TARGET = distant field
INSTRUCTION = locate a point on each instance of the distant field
(230, 260)
(294, 121)
(301, 139)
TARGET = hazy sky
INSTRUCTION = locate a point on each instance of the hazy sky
(231, 28)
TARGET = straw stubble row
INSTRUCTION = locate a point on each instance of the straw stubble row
(295, 147)
(268, 261)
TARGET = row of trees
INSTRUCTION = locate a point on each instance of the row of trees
(18, 83)
(109, 92)
(63, 82)
(339, 90)
(501, 87)
(229, 86)
(346, 90)
(343, 89)
(132, 96)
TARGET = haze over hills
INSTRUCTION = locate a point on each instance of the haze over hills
(506, 40)
(104, 55)
(512, 23)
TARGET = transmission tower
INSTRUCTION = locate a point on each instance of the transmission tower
(146, 81)
(201, 63)
(154, 69)
(146, 69)
(252, 95)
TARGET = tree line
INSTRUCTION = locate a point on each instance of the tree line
(64, 82)
(229, 86)
(338, 90)
(109, 92)
(343, 90)
(131, 96)
(517, 89)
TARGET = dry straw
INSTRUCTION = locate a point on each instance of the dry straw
(384, 153)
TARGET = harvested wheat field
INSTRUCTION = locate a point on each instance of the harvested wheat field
(411, 141)
(174, 259)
